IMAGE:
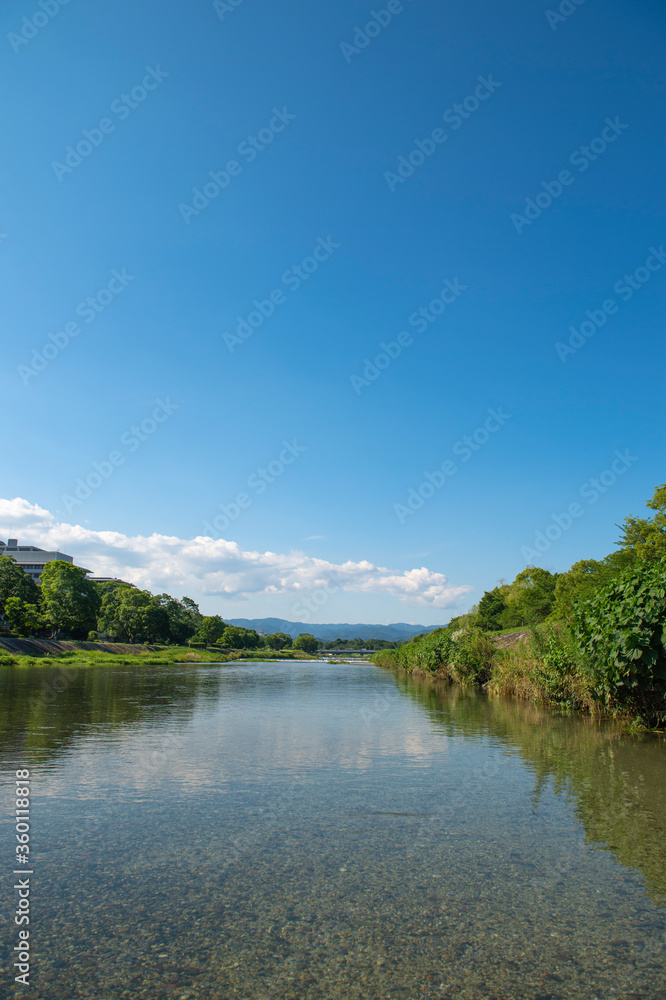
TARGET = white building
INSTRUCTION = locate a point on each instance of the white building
(31, 559)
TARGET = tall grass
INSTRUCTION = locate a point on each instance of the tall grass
(547, 667)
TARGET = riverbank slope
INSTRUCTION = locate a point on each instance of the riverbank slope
(545, 665)
(33, 652)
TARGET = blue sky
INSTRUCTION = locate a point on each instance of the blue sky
(336, 123)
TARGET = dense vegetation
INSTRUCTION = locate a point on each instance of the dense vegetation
(343, 644)
(596, 635)
(67, 604)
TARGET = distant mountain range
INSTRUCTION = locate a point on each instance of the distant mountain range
(396, 632)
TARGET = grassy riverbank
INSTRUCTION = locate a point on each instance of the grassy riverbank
(547, 664)
(84, 654)
(596, 636)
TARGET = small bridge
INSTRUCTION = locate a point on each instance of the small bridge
(347, 652)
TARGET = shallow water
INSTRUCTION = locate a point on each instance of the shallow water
(292, 830)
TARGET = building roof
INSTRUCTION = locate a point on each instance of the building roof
(31, 557)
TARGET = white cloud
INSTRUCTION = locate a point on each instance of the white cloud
(212, 567)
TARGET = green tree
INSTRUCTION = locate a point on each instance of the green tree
(235, 637)
(155, 623)
(15, 583)
(647, 537)
(123, 613)
(278, 640)
(461, 621)
(70, 602)
(23, 617)
(529, 598)
(491, 607)
(184, 617)
(306, 642)
(211, 630)
(584, 578)
(622, 635)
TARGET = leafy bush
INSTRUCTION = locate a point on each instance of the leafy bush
(465, 654)
(470, 657)
(622, 632)
(426, 652)
(557, 665)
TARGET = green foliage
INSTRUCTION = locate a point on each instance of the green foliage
(278, 640)
(464, 654)
(183, 617)
(306, 642)
(132, 615)
(621, 630)
(426, 652)
(525, 602)
(211, 630)
(460, 621)
(23, 617)
(235, 637)
(598, 631)
(647, 538)
(558, 665)
(359, 643)
(70, 602)
(123, 613)
(387, 658)
(155, 622)
(491, 607)
(584, 577)
(530, 598)
(470, 656)
(15, 583)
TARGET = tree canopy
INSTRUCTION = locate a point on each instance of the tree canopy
(15, 583)
(211, 629)
(647, 536)
(278, 640)
(538, 595)
(70, 602)
(306, 642)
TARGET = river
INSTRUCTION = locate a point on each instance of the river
(317, 830)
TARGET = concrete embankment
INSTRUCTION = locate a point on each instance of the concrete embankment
(56, 647)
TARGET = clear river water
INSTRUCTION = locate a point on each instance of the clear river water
(317, 830)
